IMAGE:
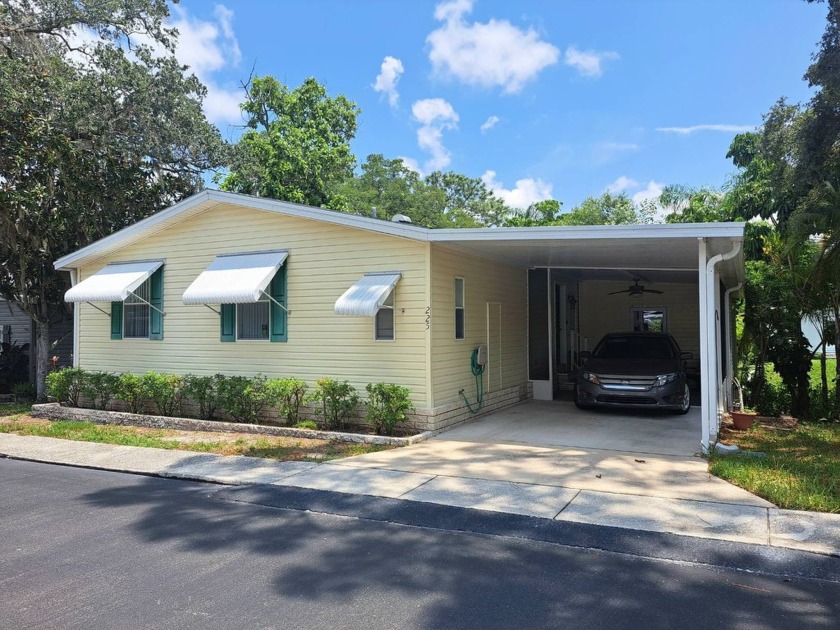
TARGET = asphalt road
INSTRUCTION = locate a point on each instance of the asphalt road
(92, 549)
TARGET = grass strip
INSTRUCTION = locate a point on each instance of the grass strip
(277, 448)
(801, 470)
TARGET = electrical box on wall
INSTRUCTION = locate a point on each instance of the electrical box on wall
(481, 357)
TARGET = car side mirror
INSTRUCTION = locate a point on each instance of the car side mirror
(585, 354)
(686, 356)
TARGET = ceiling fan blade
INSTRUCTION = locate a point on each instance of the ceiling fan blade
(652, 291)
(617, 292)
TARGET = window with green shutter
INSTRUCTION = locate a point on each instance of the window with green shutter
(141, 315)
(228, 322)
(277, 291)
(116, 320)
(264, 319)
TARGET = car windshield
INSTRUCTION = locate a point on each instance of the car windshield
(634, 348)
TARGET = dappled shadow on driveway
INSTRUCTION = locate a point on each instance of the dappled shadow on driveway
(392, 575)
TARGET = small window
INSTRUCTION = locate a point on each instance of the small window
(136, 312)
(459, 308)
(384, 320)
(252, 320)
(264, 320)
(648, 319)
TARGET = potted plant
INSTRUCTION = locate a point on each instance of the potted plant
(742, 418)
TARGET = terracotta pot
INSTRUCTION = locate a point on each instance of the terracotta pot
(743, 420)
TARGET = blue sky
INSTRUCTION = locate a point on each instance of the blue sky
(560, 99)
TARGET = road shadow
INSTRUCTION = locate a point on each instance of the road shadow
(429, 567)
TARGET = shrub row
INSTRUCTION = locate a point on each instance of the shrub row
(242, 398)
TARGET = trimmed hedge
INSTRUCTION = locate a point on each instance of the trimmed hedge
(242, 398)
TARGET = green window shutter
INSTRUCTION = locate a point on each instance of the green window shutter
(116, 320)
(277, 290)
(156, 300)
(228, 322)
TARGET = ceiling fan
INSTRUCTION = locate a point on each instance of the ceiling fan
(636, 290)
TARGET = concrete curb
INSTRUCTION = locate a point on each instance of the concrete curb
(724, 523)
(55, 411)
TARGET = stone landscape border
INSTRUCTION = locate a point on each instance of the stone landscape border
(55, 411)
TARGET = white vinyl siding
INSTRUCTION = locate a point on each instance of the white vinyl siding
(324, 259)
(484, 281)
(601, 313)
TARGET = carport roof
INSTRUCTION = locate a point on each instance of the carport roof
(653, 248)
(658, 247)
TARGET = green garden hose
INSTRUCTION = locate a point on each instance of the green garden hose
(477, 371)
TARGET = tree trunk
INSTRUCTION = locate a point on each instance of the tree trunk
(801, 401)
(823, 378)
(42, 358)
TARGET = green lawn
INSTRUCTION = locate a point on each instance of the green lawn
(830, 369)
(279, 448)
(801, 470)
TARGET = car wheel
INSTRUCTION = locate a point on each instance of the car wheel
(686, 404)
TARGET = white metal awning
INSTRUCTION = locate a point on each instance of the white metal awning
(368, 295)
(235, 278)
(113, 283)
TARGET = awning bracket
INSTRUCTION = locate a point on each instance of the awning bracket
(212, 309)
(149, 304)
(98, 309)
(288, 312)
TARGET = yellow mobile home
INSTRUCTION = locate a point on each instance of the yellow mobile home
(242, 285)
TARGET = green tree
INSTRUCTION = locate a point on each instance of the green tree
(608, 209)
(92, 138)
(468, 202)
(392, 188)
(540, 213)
(296, 146)
(695, 205)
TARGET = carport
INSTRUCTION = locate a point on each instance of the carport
(582, 282)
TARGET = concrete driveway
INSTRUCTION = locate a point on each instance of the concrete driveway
(555, 444)
(560, 423)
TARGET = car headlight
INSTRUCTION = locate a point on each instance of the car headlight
(664, 379)
(592, 378)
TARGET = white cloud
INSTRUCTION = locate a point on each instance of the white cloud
(491, 54)
(622, 184)
(684, 131)
(604, 152)
(526, 191)
(588, 62)
(641, 193)
(489, 123)
(651, 192)
(387, 79)
(411, 164)
(434, 115)
(208, 47)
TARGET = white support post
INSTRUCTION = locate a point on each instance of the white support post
(709, 346)
(705, 381)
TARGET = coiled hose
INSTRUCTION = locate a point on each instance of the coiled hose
(477, 370)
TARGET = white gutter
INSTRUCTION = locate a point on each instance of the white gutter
(730, 356)
(709, 360)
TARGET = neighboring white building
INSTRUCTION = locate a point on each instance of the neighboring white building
(811, 333)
